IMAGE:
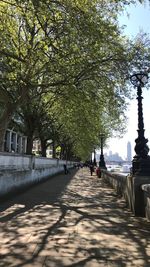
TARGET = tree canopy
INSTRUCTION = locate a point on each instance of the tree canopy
(69, 62)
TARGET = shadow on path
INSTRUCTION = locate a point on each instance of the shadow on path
(72, 220)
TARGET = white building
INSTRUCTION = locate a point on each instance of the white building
(15, 142)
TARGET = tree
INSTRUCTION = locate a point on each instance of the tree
(72, 49)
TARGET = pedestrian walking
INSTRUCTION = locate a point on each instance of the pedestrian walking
(65, 169)
(91, 169)
(98, 172)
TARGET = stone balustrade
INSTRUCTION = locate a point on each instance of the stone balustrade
(146, 190)
(117, 181)
(139, 203)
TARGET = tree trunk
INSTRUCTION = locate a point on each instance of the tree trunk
(30, 123)
(54, 150)
(63, 152)
(43, 147)
(4, 122)
(3, 128)
(29, 144)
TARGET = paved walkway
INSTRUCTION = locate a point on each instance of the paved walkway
(72, 220)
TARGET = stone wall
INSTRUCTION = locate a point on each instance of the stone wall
(135, 190)
(146, 190)
(117, 181)
(19, 171)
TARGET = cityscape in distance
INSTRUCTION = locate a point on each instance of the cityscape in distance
(116, 157)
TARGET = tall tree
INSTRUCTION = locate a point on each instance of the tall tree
(64, 47)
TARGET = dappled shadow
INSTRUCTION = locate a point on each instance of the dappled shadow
(72, 220)
(43, 192)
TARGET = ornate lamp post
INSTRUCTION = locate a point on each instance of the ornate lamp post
(102, 161)
(141, 161)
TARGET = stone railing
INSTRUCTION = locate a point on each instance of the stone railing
(138, 202)
(117, 181)
(19, 171)
(146, 190)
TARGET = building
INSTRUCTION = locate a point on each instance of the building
(113, 157)
(15, 142)
(37, 148)
(129, 154)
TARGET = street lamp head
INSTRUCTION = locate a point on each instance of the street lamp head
(139, 79)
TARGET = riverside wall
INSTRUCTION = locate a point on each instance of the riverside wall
(146, 190)
(19, 171)
(124, 186)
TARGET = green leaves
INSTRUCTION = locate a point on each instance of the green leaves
(71, 52)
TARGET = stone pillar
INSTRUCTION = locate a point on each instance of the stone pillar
(135, 195)
(13, 142)
(19, 144)
(24, 144)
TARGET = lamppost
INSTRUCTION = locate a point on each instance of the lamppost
(141, 161)
(102, 161)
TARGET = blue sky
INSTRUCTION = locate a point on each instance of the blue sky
(139, 19)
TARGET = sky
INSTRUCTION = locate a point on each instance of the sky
(139, 19)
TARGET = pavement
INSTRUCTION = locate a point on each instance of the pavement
(73, 220)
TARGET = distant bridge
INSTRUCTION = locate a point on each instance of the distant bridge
(121, 163)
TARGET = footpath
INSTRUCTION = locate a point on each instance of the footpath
(73, 220)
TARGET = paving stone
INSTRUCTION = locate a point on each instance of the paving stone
(72, 220)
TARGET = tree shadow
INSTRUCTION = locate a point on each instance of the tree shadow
(72, 220)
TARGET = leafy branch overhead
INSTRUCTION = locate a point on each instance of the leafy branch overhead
(69, 62)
